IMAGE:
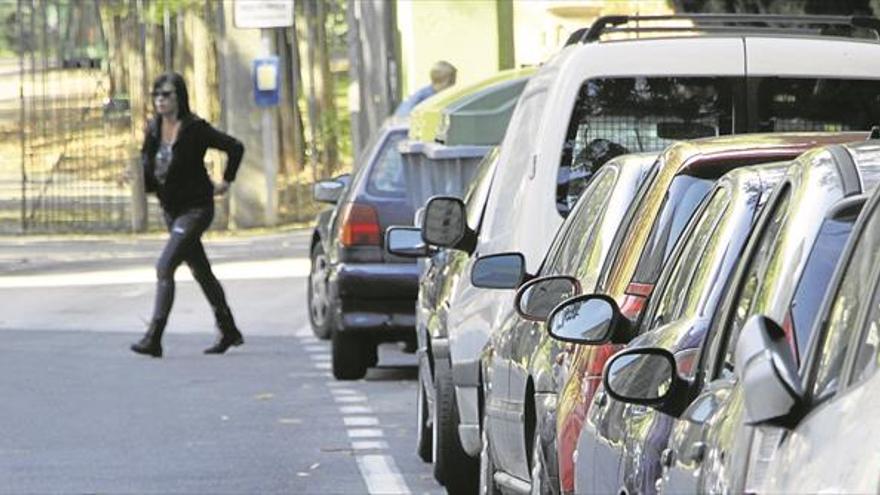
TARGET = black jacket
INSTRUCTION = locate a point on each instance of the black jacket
(187, 184)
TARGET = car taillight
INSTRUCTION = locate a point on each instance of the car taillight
(359, 226)
(685, 361)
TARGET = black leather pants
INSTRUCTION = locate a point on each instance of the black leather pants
(185, 245)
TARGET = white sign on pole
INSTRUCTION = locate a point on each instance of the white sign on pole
(262, 14)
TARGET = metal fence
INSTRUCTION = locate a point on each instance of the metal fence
(64, 142)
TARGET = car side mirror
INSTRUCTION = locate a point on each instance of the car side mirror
(647, 376)
(771, 385)
(406, 242)
(499, 271)
(536, 298)
(445, 224)
(328, 191)
(592, 319)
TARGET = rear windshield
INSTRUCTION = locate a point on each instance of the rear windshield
(386, 177)
(615, 116)
(682, 199)
(812, 104)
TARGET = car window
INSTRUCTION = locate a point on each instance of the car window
(852, 297)
(815, 104)
(577, 246)
(677, 293)
(752, 277)
(868, 353)
(682, 199)
(615, 116)
(386, 177)
(477, 193)
(614, 251)
(816, 277)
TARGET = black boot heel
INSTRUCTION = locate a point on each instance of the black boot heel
(151, 343)
(224, 343)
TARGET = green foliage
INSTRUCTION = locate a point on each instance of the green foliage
(156, 10)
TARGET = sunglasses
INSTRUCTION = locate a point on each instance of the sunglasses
(163, 94)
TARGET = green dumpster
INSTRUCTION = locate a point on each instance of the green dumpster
(451, 132)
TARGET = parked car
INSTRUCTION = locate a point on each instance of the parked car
(523, 368)
(829, 429)
(783, 274)
(645, 240)
(360, 295)
(620, 445)
(679, 88)
(443, 269)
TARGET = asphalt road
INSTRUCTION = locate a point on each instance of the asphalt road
(82, 414)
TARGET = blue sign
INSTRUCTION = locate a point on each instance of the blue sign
(267, 81)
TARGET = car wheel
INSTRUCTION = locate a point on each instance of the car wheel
(349, 361)
(424, 433)
(487, 466)
(453, 468)
(540, 481)
(319, 297)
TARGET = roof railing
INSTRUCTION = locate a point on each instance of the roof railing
(822, 25)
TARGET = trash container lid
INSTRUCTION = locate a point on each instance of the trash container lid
(480, 118)
(426, 116)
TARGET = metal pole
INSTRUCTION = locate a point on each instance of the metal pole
(22, 132)
(270, 142)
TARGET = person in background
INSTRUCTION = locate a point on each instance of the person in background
(442, 77)
(172, 162)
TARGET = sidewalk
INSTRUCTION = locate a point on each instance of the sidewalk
(30, 255)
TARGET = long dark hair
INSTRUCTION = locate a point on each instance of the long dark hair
(179, 88)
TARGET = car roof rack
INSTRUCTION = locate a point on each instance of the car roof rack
(731, 23)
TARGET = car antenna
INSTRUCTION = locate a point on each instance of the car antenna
(875, 132)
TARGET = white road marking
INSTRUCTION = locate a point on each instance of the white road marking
(356, 410)
(360, 421)
(365, 433)
(369, 445)
(351, 398)
(381, 474)
(315, 348)
(343, 391)
(245, 270)
(304, 331)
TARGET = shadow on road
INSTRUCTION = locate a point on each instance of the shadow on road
(392, 373)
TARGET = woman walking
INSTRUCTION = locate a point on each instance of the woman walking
(172, 158)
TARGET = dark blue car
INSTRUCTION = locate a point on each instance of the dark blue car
(359, 294)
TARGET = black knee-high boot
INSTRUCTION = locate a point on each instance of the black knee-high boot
(151, 343)
(229, 333)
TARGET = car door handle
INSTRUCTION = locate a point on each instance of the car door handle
(638, 410)
(601, 399)
(667, 458)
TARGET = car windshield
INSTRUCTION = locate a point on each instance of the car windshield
(817, 275)
(684, 195)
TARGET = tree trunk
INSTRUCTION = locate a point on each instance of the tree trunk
(293, 140)
(326, 93)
